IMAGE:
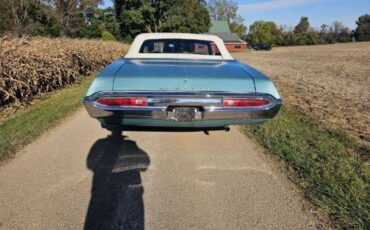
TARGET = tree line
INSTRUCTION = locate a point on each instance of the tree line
(127, 18)
(84, 18)
(267, 32)
(123, 21)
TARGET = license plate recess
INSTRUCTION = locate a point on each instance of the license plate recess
(184, 114)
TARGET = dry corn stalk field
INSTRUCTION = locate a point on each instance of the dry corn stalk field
(330, 83)
(29, 66)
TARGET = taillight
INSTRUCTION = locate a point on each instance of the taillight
(244, 102)
(124, 101)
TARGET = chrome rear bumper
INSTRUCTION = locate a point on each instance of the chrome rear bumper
(160, 105)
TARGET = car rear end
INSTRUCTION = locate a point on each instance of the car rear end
(180, 83)
(181, 109)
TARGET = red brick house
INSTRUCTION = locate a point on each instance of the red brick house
(231, 40)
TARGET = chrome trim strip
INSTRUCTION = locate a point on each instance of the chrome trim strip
(159, 102)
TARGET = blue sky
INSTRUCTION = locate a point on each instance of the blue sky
(288, 12)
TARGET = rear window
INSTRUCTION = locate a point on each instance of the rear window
(179, 46)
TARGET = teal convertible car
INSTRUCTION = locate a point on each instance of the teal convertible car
(176, 81)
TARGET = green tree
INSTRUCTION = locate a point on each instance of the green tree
(309, 38)
(119, 8)
(260, 33)
(31, 17)
(303, 26)
(289, 38)
(73, 18)
(98, 21)
(161, 8)
(276, 33)
(312, 37)
(190, 16)
(227, 10)
(304, 34)
(70, 14)
(239, 28)
(110, 22)
(137, 16)
(93, 27)
(15, 16)
(43, 24)
(363, 28)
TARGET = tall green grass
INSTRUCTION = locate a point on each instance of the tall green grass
(327, 164)
(31, 123)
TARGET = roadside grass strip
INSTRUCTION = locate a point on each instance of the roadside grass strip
(331, 168)
(25, 126)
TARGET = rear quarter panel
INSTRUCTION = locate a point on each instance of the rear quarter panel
(105, 79)
(262, 83)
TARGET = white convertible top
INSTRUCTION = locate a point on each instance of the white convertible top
(135, 46)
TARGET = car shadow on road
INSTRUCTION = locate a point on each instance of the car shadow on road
(117, 193)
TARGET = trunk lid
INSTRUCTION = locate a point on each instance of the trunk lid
(182, 75)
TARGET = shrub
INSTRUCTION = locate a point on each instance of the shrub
(107, 36)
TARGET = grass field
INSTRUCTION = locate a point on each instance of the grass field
(330, 83)
(322, 132)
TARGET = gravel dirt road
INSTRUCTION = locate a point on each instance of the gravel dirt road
(78, 175)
